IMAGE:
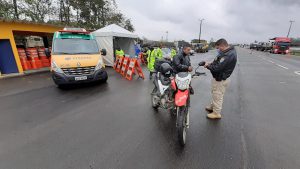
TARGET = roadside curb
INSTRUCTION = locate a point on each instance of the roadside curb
(15, 75)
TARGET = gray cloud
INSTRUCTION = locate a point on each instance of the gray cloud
(236, 20)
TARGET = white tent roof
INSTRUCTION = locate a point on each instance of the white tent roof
(114, 30)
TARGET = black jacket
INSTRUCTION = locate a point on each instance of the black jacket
(181, 62)
(224, 64)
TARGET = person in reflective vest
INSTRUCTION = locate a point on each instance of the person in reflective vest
(119, 52)
(173, 52)
(148, 53)
(159, 54)
(152, 56)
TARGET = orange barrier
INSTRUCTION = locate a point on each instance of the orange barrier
(32, 53)
(45, 63)
(125, 66)
(22, 53)
(116, 63)
(133, 64)
(25, 64)
(139, 70)
(41, 51)
(142, 59)
(33, 64)
(119, 65)
(39, 64)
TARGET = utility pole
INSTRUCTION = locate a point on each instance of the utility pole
(201, 20)
(167, 36)
(16, 9)
(291, 23)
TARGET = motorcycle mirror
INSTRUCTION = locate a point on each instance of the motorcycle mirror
(199, 73)
(201, 63)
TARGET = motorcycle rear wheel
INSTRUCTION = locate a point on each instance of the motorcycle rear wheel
(155, 104)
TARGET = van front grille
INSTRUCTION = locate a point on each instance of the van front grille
(79, 70)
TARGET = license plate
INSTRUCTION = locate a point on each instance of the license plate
(81, 78)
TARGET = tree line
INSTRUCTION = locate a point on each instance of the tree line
(90, 14)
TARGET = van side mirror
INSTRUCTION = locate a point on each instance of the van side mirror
(47, 52)
(103, 52)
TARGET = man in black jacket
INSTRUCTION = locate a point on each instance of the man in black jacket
(221, 69)
(182, 62)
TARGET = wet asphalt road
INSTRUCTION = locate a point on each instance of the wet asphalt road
(112, 125)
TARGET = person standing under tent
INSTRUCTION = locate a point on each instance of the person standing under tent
(119, 53)
(137, 48)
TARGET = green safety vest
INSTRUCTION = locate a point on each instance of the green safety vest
(148, 53)
(159, 54)
(120, 53)
(151, 60)
(173, 53)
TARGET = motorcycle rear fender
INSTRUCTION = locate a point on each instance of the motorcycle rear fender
(181, 98)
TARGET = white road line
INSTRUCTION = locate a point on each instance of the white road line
(271, 61)
(282, 66)
(297, 72)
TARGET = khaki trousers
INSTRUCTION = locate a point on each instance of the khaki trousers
(218, 90)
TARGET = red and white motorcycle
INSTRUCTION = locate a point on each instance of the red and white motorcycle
(173, 93)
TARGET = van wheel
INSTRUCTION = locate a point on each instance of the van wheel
(104, 80)
(62, 87)
(105, 77)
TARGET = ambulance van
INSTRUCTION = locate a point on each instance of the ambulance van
(76, 58)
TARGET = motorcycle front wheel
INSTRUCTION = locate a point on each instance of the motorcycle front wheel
(182, 113)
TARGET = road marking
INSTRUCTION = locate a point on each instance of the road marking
(271, 61)
(282, 66)
(297, 72)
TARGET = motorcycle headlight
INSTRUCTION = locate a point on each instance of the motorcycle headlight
(183, 85)
(99, 65)
(55, 68)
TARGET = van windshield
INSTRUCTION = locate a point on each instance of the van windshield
(75, 46)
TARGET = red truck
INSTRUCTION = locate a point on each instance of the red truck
(281, 45)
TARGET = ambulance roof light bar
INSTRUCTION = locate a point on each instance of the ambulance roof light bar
(74, 30)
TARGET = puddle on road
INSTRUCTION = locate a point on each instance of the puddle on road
(297, 73)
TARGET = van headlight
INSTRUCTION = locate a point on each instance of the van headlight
(55, 68)
(99, 65)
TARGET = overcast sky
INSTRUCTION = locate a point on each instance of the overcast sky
(235, 20)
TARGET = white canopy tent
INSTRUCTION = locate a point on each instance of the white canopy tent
(113, 36)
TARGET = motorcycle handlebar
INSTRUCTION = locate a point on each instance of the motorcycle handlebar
(199, 73)
(201, 63)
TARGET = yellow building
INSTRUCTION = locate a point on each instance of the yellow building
(9, 57)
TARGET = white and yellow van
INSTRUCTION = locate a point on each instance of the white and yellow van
(76, 58)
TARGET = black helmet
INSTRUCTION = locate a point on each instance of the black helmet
(166, 69)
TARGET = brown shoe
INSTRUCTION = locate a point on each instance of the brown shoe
(208, 109)
(214, 116)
